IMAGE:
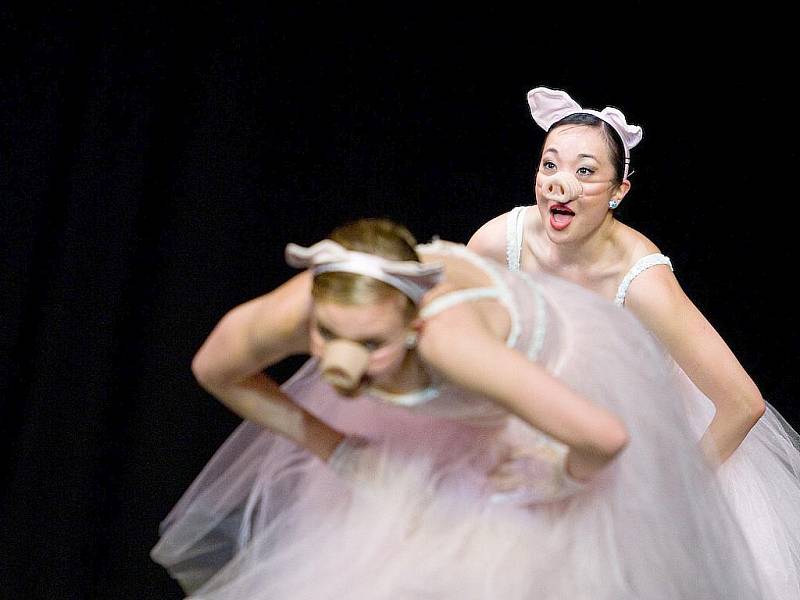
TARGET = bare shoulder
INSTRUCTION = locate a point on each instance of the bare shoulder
(656, 295)
(458, 325)
(256, 334)
(490, 239)
(654, 291)
(281, 314)
(460, 322)
(636, 244)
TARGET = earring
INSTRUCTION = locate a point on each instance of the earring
(613, 203)
(411, 341)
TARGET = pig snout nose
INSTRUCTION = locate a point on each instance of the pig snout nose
(561, 188)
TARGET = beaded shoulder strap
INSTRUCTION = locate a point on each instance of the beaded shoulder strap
(641, 265)
(515, 227)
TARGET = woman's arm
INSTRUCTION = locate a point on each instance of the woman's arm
(657, 299)
(250, 338)
(458, 343)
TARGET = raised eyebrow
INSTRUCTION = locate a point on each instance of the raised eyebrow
(554, 151)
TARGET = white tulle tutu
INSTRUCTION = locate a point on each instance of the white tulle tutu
(762, 483)
(416, 513)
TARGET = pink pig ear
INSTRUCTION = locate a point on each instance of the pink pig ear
(548, 106)
(630, 134)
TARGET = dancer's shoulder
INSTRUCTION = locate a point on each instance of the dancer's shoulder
(490, 239)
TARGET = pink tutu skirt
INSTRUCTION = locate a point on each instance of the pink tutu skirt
(416, 514)
(761, 481)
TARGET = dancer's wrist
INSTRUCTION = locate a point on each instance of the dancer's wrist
(320, 438)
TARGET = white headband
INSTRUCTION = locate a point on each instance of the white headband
(410, 277)
(549, 106)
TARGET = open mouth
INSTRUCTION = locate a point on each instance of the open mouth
(560, 216)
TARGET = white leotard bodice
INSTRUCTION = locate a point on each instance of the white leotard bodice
(515, 232)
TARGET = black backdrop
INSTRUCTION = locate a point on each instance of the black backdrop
(156, 160)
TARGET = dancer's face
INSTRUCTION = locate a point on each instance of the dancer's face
(580, 151)
(380, 328)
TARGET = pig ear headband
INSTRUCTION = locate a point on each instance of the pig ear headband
(410, 277)
(550, 106)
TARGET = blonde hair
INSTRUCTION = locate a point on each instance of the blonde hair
(380, 237)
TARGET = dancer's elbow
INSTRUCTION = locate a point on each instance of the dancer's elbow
(203, 371)
(208, 371)
(756, 407)
(750, 405)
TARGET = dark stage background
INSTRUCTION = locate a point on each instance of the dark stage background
(156, 160)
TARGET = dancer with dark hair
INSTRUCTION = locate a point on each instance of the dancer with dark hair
(572, 232)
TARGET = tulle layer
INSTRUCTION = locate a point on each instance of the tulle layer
(761, 481)
(414, 517)
(417, 515)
